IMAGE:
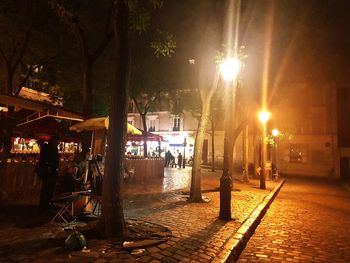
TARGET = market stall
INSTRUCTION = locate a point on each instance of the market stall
(143, 168)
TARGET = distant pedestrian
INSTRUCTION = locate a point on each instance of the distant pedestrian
(48, 170)
(258, 171)
(168, 157)
(172, 161)
(179, 160)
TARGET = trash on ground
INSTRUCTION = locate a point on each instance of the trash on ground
(75, 241)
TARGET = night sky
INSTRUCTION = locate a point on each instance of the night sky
(309, 39)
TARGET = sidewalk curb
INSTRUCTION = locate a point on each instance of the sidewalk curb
(235, 245)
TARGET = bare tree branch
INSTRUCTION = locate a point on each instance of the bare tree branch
(42, 62)
(23, 47)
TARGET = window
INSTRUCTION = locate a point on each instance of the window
(131, 106)
(152, 125)
(176, 123)
(132, 122)
(297, 153)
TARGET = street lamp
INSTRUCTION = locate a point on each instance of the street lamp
(229, 70)
(275, 133)
(264, 117)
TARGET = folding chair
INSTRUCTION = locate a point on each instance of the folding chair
(65, 212)
(96, 201)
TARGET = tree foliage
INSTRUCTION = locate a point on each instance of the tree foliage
(31, 43)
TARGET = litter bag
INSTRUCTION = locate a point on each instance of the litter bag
(75, 241)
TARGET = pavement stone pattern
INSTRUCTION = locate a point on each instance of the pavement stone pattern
(309, 221)
(197, 235)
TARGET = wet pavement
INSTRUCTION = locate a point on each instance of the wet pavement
(197, 235)
(309, 221)
(174, 179)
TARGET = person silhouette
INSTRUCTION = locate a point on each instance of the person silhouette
(49, 165)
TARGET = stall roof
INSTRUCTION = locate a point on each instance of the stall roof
(38, 110)
(45, 127)
(98, 124)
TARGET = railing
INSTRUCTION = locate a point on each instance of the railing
(146, 168)
(18, 181)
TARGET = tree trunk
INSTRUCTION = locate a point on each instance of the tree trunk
(145, 138)
(112, 205)
(9, 80)
(256, 156)
(246, 154)
(87, 100)
(7, 131)
(8, 125)
(212, 146)
(87, 88)
(196, 192)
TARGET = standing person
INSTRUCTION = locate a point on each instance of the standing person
(172, 161)
(179, 160)
(48, 171)
(167, 158)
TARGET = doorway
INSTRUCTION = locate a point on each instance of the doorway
(344, 168)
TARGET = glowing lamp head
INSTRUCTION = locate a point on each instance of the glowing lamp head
(264, 116)
(229, 69)
(275, 132)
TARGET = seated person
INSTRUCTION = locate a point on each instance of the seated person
(67, 181)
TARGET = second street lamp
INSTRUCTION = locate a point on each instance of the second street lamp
(264, 117)
(229, 70)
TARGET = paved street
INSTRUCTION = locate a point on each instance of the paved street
(187, 232)
(309, 221)
(174, 179)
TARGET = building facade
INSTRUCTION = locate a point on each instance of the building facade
(343, 124)
(314, 137)
(306, 118)
(179, 131)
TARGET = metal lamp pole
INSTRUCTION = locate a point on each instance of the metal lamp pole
(184, 155)
(264, 116)
(229, 71)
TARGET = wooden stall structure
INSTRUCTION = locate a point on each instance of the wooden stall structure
(140, 168)
(30, 118)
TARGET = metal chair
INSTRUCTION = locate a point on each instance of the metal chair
(65, 202)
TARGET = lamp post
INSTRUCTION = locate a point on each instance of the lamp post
(264, 117)
(229, 70)
(275, 133)
(184, 155)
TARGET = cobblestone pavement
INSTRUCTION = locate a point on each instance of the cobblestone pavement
(197, 235)
(174, 179)
(309, 221)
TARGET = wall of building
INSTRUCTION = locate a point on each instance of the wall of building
(307, 119)
(312, 155)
